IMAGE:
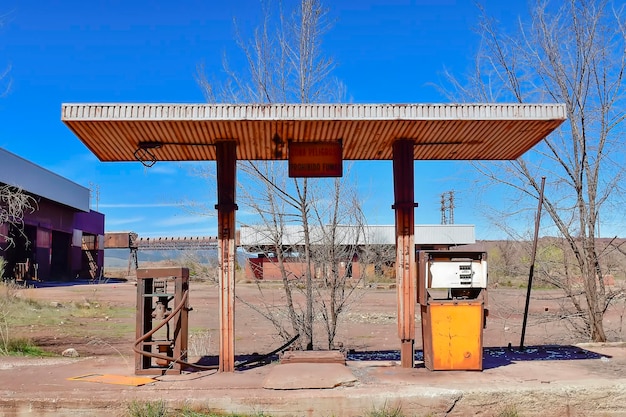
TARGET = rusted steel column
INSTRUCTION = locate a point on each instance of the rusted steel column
(403, 182)
(226, 155)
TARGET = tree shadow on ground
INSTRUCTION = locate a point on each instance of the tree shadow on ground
(67, 283)
(495, 357)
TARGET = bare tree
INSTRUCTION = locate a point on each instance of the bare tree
(323, 251)
(570, 52)
(286, 64)
(335, 253)
(277, 210)
(14, 204)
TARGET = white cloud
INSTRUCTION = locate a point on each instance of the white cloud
(183, 220)
(163, 168)
(122, 221)
(139, 205)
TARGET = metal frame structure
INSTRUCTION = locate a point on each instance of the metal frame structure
(227, 133)
(161, 299)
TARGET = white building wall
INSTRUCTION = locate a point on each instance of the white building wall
(34, 179)
(425, 234)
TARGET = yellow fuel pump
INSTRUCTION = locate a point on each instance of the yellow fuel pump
(452, 293)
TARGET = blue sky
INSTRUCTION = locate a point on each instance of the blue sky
(62, 51)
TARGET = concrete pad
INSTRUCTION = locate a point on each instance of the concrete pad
(593, 387)
(313, 356)
(291, 376)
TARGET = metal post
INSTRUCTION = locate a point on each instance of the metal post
(532, 262)
(226, 155)
(403, 180)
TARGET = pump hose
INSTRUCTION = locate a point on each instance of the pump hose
(163, 323)
(192, 365)
(267, 355)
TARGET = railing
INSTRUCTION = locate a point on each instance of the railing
(24, 271)
(165, 243)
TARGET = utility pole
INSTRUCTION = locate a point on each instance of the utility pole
(451, 205)
(94, 191)
(447, 207)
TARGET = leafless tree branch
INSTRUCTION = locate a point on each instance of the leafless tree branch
(573, 53)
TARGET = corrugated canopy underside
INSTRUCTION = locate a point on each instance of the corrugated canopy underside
(187, 132)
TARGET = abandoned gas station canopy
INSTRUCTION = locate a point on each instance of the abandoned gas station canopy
(226, 133)
(188, 132)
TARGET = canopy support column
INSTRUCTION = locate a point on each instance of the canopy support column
(226, 156)
(403, 181)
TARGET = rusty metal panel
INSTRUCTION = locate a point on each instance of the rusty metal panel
(117, 240)
(189, 132)
(163, 272)
(452, 333)
(422, 278)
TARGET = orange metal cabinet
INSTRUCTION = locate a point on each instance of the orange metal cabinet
(452, 332)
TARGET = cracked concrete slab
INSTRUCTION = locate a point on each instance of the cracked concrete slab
(541, 388)
(308, 376)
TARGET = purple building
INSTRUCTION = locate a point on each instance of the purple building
(63, 238)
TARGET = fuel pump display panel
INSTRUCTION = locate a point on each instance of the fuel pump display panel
(457, 273)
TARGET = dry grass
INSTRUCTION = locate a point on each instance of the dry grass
(201, 344)
(21, 314)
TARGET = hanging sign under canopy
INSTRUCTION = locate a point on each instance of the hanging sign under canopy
(315, 159)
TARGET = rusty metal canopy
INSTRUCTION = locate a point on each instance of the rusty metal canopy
(187, 132)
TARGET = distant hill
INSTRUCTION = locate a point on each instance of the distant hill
(118, 258)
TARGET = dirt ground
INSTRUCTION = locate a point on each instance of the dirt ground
(545, 381)
(368, 324)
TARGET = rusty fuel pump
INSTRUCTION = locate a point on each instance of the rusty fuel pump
(162, 320)
(163, 324)
(452, 293)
